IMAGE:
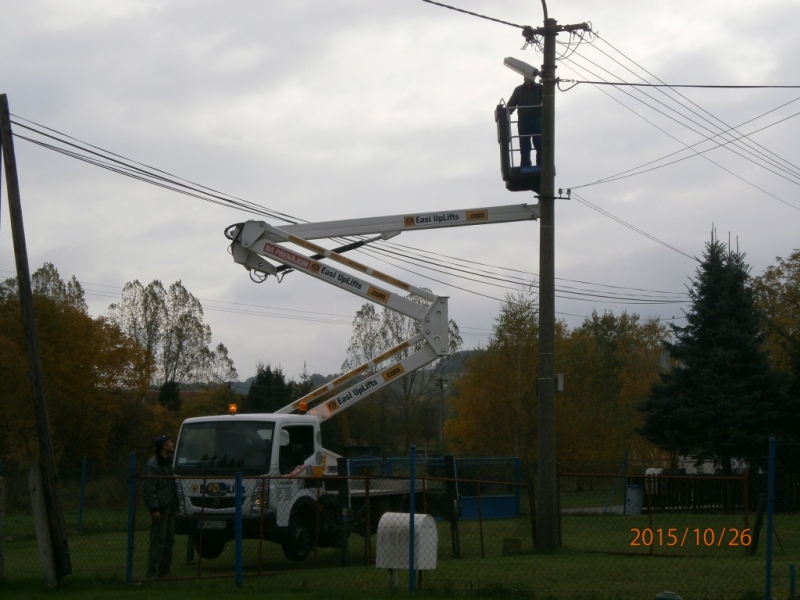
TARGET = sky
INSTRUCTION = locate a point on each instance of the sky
(335, 109)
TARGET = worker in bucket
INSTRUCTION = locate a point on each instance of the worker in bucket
(528, 98)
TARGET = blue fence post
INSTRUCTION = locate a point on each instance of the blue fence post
(131, 515)
(770, 514)
(82, 494)
(412, 484)
(238, 529)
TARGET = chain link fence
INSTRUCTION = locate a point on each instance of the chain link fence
(622, 535)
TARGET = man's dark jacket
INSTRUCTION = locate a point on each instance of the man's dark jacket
(523, 96)
(159, 494)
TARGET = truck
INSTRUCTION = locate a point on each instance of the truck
(295, 492)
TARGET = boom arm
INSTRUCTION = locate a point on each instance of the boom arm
(254, 241)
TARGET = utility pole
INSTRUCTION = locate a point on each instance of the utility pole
(547, 476)
(55, 558)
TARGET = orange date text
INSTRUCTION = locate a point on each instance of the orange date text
(700, 537)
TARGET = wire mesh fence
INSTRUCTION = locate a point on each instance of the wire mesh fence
(622, 535)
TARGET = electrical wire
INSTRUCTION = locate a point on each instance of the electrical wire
(683, 85)
(627, 174)
(474, 14)
(704, 127)
(490, 277)
(637, 171)
(605, 213)
(100, 157)
(687, 146)
(685, 98)
(686, 103)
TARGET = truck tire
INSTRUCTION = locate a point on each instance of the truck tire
(212, 546)
(300, 538)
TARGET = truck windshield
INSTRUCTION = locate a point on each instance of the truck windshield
(219, 447)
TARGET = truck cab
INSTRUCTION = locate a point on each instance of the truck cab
(275, 453)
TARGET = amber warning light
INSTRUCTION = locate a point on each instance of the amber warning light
(232, 409)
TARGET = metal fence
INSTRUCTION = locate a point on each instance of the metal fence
(626, 536)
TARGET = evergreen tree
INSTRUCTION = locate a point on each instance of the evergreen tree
(169, 396)
(269, 391)
(722, 399)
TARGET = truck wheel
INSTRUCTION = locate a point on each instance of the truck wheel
(212, 546)
(299, 541)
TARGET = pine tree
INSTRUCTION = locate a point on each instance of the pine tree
(722, 399)
(269, 392)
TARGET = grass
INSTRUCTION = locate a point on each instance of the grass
(596, 561)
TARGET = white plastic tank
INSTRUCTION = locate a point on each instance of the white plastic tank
(393, 541)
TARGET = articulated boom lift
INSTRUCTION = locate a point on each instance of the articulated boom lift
(255, 243)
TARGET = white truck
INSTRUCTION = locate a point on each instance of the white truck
(289, 493)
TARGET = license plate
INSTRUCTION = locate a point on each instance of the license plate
(211, 524)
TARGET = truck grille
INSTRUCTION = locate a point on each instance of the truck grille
(211, 502)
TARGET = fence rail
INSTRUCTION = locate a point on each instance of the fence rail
(698, 535)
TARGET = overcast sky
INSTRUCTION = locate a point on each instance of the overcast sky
(331, 109)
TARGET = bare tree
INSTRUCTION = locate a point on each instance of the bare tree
(170, 327)
(406, 403)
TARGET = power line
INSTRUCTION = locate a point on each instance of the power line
(628, 173)
(629, 226)
(636, 170)
(100, 157)
(617, 50)
(694, 122)
(518, 281)
(410, 249)
(474, 14)
(683, 85)
(684, 99)
(687, 146)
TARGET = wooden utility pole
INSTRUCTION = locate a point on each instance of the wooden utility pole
(547, 537)
(59, 550)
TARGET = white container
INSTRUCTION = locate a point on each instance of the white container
(392, 546)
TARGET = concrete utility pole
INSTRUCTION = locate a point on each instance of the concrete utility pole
(53, 547)
(547, 477)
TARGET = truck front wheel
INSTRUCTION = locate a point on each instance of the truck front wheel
(212, 546)
(299, 541)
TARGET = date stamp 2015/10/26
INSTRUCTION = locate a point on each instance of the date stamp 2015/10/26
(691, 536)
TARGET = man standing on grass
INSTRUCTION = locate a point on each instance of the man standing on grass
(161, 500)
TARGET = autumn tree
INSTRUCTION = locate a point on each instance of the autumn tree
(406, 403)
(722, 399)
(495, 400)
(778, 299)
(609, 363)
(214, 400)
(89, 368)
(777, 296)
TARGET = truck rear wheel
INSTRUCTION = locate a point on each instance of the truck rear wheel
(212, 546)
(299, 541)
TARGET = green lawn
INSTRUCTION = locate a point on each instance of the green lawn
(597, 560)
